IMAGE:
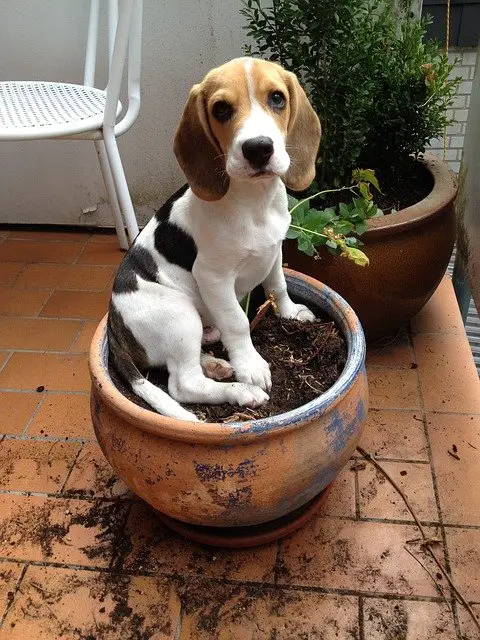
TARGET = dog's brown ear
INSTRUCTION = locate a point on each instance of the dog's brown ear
(197, 151)
(303, 137)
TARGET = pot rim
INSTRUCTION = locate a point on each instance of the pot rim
(440, 197)
(230, 434)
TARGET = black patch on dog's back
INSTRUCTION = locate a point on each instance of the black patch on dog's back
(171, 241)
(137, 261)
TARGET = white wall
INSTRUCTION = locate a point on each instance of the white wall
(52, 181)
(468, 199)
(455, 134)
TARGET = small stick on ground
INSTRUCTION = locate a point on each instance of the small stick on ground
(37, 586)
(429, 573)
(428, 546)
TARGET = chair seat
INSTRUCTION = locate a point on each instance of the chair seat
(30, 110)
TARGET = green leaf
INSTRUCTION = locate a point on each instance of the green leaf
(299, 212)
(292, 234)
(361, 208)
(366, 175)
(345, 210)
(331, 244)
(317, 220)
(361, 227)
(319, 241)
(365, 191)
(305, 245)
(291, 201)
(343, 227)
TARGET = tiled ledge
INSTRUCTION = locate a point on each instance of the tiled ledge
(82, 557)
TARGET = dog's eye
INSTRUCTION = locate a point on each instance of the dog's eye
(277, 100)
(222, 111)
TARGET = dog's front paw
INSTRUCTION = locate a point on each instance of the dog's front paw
(253, 370)
(247, 395)
(297, 312)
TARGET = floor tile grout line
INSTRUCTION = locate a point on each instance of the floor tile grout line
(357, 495)
(361, 626)
(437, 500)
(396, 460)
(62, 497)
(177, 632)
(78, 319)
(56, 288)
(405, 409)
(408, 410)
(395, 367)
(80, 449)
(400, 521)
(46, 350)
(34, 413)
(55, 264)
(2, 366)
(238, 583)
(10, 604)
(22, 270)
(45, 303)
(47, 391)
(260, 584)
(120, 536)
(42, 438)
(278, 560)
(48, 240)
(76, 337)
(75, 261)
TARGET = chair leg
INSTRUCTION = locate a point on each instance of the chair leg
(121, 185)
(111, 192)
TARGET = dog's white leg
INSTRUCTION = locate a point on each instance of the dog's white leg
(216, 368)
(275, 282)
(188, 383)
(218, 294)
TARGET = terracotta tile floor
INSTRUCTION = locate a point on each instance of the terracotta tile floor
(81, 557)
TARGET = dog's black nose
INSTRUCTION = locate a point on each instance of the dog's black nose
(258, 151)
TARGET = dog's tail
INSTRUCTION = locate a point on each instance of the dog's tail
(126, 368)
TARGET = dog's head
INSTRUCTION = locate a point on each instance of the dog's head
(247, 120)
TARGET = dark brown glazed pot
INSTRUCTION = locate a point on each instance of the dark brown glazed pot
(408, 250)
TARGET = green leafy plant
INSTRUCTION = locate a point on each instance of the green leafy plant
(380, 90)
(336, 228)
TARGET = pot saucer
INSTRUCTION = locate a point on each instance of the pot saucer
(250, 536)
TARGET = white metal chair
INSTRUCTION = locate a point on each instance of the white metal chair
(41, 110)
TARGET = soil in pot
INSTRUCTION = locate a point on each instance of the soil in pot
(404, 188)
(305, 359)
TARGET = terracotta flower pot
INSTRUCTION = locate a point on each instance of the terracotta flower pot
(236, 474)
(409, 252)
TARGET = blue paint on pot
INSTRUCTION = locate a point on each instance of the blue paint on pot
(216, 472)
(324, 477)
(343, 428)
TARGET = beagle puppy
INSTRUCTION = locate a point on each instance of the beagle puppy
(247, 130)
